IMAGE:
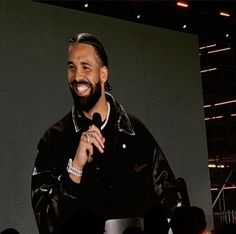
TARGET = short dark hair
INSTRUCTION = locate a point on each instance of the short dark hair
(90, 39)
(188, 220)
(10, 231)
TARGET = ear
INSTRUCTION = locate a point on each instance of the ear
(103, 74)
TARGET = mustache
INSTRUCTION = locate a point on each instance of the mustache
(81, 82)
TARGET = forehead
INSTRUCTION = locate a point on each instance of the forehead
(78, 50)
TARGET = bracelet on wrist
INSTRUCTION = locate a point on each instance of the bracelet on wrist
(73, 170)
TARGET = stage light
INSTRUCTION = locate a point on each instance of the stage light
(216, 166)
(226, 187)
(214, 189)
(184, 26)
(207, 106)
(208, 46)
(214, 117)
(182, 4)
(230, 187)
(224, 103)
(209, 70)
(86, 5)
(219, 50)
(223, 13)
(226, 35)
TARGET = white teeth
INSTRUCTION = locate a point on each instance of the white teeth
(81, 89)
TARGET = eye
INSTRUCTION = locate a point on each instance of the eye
(70, 66)
(87, 68)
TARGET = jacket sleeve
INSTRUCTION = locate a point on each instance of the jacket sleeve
(162, 175)
(52, 192)
(164, 180)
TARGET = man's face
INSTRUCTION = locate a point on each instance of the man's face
(84, 75)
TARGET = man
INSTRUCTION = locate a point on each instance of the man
(111, 167)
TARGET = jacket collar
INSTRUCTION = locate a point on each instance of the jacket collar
(124, 124)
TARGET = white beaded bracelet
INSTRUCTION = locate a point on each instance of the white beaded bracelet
(73, 170)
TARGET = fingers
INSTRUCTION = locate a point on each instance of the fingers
(93, 136)
(93, 128)
(88, 141)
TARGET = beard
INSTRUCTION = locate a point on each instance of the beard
(86, 103)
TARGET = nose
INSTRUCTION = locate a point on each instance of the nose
(77, 74)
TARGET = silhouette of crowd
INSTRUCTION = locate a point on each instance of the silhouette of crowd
(188, 220)
(155, 221)
(10, 231)
(133, 230)
(184, 220)
(84, 222)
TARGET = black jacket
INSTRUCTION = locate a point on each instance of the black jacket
(123, 182)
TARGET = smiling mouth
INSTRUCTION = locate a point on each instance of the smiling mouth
(82, 89)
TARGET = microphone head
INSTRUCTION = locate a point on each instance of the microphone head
(97, 120)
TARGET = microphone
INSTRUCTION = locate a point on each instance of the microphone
(97, 121)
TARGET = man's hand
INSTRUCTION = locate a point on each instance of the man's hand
(84, 154)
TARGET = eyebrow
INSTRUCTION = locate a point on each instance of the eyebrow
(86, 63)
(83, 63)
(69, 63)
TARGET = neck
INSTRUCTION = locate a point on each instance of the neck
(101, 107)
